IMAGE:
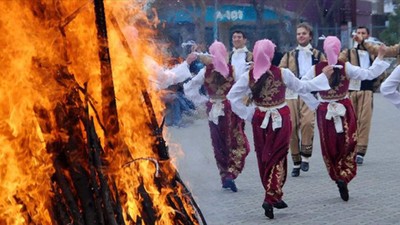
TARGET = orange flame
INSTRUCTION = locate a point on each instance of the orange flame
(55, 33)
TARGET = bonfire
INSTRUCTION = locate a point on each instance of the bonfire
(81, 128)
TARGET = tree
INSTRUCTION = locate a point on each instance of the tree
(326, 9)
(391, 35)
(259, 8)
(196, 9)
(284, 23)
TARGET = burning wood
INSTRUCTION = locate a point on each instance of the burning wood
(70, 178)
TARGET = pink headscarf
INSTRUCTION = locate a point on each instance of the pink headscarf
(263, 53)
(220, 55)
(332, 47)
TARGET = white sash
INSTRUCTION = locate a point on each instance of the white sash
(335, 111)
(217, 110)
(274, 114)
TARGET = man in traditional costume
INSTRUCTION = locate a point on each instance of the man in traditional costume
(240, 57)
(361, 92)
(299, 61)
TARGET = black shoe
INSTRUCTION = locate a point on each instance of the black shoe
(305, 166)
(269, 210)
(229, 183)
(296, 172)
(280, 205)
(344, 192)
(359, 160)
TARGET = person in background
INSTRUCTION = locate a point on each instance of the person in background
(361, 92)
(299, 61)
(240, 57)
(270, 117)
(336, 119)
(228, 139)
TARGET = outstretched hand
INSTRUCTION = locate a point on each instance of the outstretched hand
(191, 57)
(328, 71)
(382, 51)
(357, 39)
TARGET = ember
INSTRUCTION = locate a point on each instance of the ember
(81, 140)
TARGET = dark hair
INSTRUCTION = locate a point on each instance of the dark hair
(335, 78)
(306, 26)
(260, 84)
(239, 32)
(363, 27)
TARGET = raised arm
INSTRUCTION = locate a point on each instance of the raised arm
(389, 88)
(318, 83)
(392, 51)
(192, 88)
(309, 98)
(376, 69)
(344, 55)
(236, 95)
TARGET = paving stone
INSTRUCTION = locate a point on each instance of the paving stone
(312, 197)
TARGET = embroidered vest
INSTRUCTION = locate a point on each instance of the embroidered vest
(340, 91)
(249, 57)
(293, 57)
(216, 85)
(269, 90)
(354, 58)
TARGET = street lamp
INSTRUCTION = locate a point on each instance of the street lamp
(215, 20)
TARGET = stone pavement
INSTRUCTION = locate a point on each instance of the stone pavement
(313, 198)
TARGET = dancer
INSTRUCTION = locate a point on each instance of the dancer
(299, 61)
(227, 135)
(361, 92)
(240, 57)
(389, 87)
(270, 117)
(336, 118)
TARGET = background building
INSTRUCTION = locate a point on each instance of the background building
(204, 21)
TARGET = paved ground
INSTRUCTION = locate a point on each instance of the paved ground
(312, 198)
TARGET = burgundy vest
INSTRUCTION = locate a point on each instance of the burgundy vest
(341, 90)
(216, 85)
(273, 88)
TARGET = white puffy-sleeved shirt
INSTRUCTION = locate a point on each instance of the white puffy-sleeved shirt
(192, 88)
(238, 61)
(241, 87)
(353, 72)
(164, 78)
(304, 62)
(364, 58)
(389, 87)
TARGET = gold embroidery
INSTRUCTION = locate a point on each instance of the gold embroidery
(239, 153)
(280, 176)
(269, 90)
(336, 93)
(218, 84)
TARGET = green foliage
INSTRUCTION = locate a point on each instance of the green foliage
(391, 35)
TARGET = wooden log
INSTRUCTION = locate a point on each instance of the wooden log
(85, 193)
(109, 106)
(97, 196)
(59, 209)
(192, 201)
(148, 212)
(67, 194)
(117, 205)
